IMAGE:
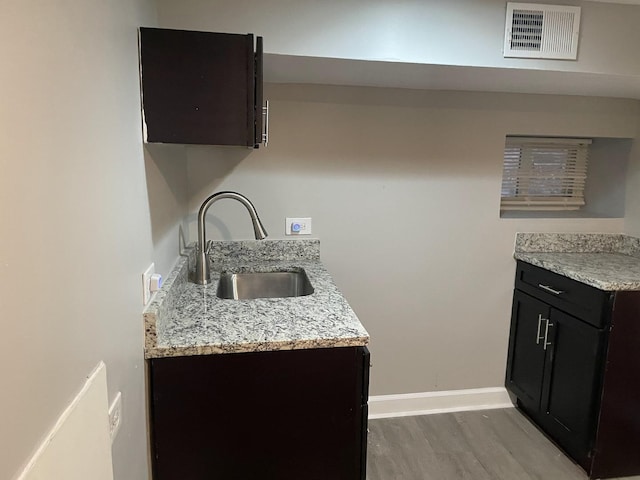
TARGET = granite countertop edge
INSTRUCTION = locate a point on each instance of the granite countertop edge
(214, 349)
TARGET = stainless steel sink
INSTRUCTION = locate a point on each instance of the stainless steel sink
(244, 286)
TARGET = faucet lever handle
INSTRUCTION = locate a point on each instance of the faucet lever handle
(208, 247)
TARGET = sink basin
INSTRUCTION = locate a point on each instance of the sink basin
(244, 286)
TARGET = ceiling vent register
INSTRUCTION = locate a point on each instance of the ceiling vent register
(542, 31)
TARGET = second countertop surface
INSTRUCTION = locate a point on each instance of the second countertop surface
(609, 262)
(190, 319)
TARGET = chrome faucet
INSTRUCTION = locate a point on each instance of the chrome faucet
(202, 274)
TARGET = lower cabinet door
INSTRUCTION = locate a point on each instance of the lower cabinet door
(572, 382)
(284, 415)
(526, 360)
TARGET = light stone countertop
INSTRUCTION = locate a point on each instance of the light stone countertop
(188, 319)
(610, 262)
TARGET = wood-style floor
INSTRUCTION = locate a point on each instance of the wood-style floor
(479, 445)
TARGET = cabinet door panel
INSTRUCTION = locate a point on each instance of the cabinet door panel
(572, 380)
(525, 364)
(284, 415)
(197, 87)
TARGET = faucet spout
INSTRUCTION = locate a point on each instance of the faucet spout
(202, 274)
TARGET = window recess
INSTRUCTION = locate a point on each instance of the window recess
(544, 174)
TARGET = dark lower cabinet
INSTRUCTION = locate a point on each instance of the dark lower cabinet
(571, 347)
(270, 415)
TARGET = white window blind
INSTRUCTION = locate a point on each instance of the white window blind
(544, 173)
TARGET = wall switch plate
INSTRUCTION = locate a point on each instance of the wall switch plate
(115, 416)
(146, 283)
(297, 226)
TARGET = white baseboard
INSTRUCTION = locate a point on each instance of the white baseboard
(426, 403)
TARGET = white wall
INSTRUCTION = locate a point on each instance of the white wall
(404, 189)
(461, 32)
(74, 211)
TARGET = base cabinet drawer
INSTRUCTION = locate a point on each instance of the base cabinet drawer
(578, 299)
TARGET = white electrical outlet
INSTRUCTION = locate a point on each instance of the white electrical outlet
(146, 283)
(297, 226)
(115, 416)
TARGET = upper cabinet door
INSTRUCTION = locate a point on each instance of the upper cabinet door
(199, 87)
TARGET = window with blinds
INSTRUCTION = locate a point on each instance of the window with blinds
(544, 173)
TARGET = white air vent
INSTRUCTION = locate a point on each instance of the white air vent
(542, 31)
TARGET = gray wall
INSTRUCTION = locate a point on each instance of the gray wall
(74, 211)
(608, 166)
(167, 190)
(404, 191)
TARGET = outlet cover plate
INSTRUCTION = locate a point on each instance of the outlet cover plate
(297, 226)
(146, 283)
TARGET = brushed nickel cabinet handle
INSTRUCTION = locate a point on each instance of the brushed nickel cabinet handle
(546, 334)
(550, 290)
(538, 337)
(265, 134)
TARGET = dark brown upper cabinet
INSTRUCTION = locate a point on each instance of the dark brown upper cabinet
(201, 88)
